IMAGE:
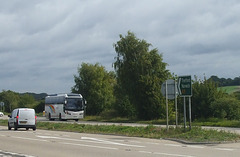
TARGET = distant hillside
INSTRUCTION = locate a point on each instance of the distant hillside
(230, 89)
(40, 96)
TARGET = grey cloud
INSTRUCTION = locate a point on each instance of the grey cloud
(43, 42)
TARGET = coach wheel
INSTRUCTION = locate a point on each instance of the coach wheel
(50, 118)
(60, 117)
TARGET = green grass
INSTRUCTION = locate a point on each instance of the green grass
(196, 134)
(230, 89)
(217, 122)
(124, 120)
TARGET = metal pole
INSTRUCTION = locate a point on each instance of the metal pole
(190, 117)
(176, 103)
(167, 104)
(184, 105)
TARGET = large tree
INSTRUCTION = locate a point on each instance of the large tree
(96, 85)
(140, 72)
(11, 100)
(205, 92)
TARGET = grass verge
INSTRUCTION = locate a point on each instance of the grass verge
(196, 134)
(217, 122)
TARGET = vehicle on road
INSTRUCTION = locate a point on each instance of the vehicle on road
(64, 106)
(1, 114)
(22, 118)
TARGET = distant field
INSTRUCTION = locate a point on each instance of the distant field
(231, 89)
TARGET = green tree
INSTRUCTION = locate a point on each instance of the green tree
(140, 72)
(10, 99)
(226, 107)
(96, 85)
(123, 105)
(205, 92)
(27, 100)
(40, 106)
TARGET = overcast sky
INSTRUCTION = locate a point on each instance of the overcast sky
(42, 43)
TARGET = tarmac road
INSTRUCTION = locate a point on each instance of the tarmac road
(61, 144)
(43, 119)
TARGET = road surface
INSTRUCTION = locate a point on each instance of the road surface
(44, 143)
(43, 119)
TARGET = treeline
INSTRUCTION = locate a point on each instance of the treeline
(226, 82)
(14, 100)
(133, 89)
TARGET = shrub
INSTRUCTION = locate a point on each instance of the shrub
(226, 107)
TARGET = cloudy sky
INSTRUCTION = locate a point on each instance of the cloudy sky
(42, 43)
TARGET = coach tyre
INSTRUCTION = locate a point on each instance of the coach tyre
(60, 117)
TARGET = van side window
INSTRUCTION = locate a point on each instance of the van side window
(14, 113)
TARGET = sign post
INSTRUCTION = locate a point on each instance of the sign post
(167, 103)
(2, 105)
(169, 90)
(185, 90)
(176, 94)
(190, 117)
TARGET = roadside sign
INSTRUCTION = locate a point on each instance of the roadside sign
(171, 90)
(185, 86)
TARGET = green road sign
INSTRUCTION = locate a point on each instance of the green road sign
(185, 86)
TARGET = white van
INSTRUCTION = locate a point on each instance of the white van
(22, 118)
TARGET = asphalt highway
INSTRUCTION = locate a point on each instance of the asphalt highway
(44, 143)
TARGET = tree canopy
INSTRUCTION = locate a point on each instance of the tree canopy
(14, 100)
(225, 82)
(140, 72)
(96, 85)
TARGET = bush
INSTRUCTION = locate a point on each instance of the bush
(108, 113)
(226, 107)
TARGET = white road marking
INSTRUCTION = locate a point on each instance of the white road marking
(92, 140)
(224, 149)
(173, 145)
(33, 139)
(177, 155)
(167, 154)
(145, 152)
(153, 143)
(135, 141)
(92, 146)
(5, 153)
(186, 146)
(200, 147)
(109, 142)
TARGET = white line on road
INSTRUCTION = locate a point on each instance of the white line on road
(186, 146)
(24, 138)
(84, 145)
(224, 149)
(92, 140)
(167, 154)
(109, 142)
(195, 146)
(173, 145)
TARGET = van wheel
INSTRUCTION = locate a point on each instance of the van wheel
(15, 126)
(27, 128)
(9, 128)
(34, 128)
